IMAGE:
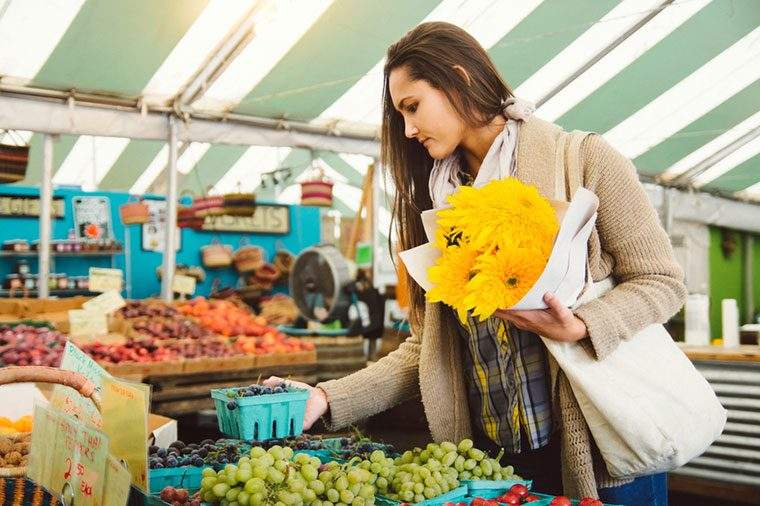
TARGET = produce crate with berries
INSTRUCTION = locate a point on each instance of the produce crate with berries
(260, 412)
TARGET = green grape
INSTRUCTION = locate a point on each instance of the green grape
(408, 495)
(287, 453)
(221, 489)
(281, 465)
(208, 496)
(244, 474)
(485, 465)
(430, 482)
(419, 488)
(448, 446)
(333, 495)
(232, 494)
(377, 456)
(470, 464)
(208, 472)
(465, 445)
(354, 477)
(419, 497)
(308, 495)
(257, 499)
(325, 476)
(244, 460)
(266, 460)
(258, 452)
(275, 476)
(315, 462)
(477, 472)
(367, 491)
(317, 486)
(424, 456)
(459, 463)
(375, 467)
(296, 484)
(509, 470)
(407, 457)
(208, 482)
(382, 483)
(244, 497)
(260, 472)
(277, 452)
(465, 475)
(449, 459)
(346, 496)
(341, 484)
(255, 485)
(476, 454)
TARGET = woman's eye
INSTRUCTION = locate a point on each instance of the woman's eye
(412, 108)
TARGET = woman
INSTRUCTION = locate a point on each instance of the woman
(450, 119)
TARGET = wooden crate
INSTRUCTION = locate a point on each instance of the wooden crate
(338, 356)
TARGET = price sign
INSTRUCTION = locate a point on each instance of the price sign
(66, 454)
(104, 280)
(125, 421)
(70, 401)
(183, 284)
(105, 303)
(85, 323)
(117, 483)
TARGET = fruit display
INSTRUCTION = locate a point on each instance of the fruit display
(170, 328)
(26, 345)
(150, 350)
(14, 450)
(150, 308)
(23, 424)
(224, 317)
(271, 341)
(206, 453)
(344, 448)
(517, 494)
(277, 476)
(178, 497)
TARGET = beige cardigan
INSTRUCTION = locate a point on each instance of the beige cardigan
(627, 243)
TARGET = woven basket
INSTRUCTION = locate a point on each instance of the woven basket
(216, 255)
(208, 206)
(40, 374)
(22, 490)
(316, 193)
(249, 258)
(267, 273)
(239, 204)
(134, 213)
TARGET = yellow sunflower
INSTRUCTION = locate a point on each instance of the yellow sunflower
(501, 213)
(502, 280)
(450, 275)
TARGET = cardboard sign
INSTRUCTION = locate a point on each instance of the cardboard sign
(117, 483)
(125, 421)
(85, 323)
(104, 280)
(67, 399)
(183, 284)
(105, 303)
(267, 219)
(66, 451)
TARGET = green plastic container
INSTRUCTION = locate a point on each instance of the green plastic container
(188, 477)
(456, 495)
(261, 417)
(475, 487)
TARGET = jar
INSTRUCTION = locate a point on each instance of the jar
(22, 268)
(68, 246)
(77, 246)
(72, 283)
(83, 283)
(63, 282)
(13, 282)
(29, 283)
(53, 281)
(59, 246)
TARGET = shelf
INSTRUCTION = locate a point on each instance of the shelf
(58, 254)
(19, 294)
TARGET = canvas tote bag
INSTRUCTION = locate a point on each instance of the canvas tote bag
(648, 409)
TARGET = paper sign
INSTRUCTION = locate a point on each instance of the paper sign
(117, 483)
(183, 284)
(67, 399)
(125, 421)
(565, 271)
(105, 303)
(84, 323)
(103, 280)
(66, 451)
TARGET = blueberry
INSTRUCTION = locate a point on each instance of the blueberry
(161, 452)
(152, 450)
(207, 442)
(232, 405)
(159, 465)
(171, 462)
(203, 452)
(198, 462)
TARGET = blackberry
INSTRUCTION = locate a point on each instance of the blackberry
(232, 405)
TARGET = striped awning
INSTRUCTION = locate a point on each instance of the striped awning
(675, 85)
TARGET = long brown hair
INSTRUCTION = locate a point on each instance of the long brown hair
(430, 52)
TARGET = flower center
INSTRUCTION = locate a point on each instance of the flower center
(512, 281)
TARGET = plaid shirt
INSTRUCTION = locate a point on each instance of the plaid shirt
(507, 383)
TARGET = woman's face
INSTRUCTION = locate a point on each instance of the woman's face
(428, 114)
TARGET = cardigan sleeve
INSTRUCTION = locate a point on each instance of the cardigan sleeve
(389, 381)
(650, 285)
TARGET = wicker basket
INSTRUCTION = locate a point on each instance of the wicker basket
(134, 212)
(249, 258)
(316, 193)
(239, 204)
(40, 374)
(212, 205)
(216, 255)
(267, 273)
(284, 260)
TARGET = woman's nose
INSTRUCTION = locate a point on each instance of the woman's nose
(410, 130)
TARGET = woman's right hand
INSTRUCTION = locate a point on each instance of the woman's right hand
(316, 405)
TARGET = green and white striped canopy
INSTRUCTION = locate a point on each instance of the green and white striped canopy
(675, 85)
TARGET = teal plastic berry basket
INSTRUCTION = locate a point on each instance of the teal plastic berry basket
(456, 495)
(261, 417)
(475, 487)
(188, 477)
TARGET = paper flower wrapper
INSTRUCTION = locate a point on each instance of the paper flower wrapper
(565, 272)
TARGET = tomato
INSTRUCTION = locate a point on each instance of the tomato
(590, 501)
(520, 490)
(531, 498)
(510, 498)
(561, 500)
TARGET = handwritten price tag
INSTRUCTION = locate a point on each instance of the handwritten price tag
(67, 455)
(105, 303)
(85, 323)
(103, 280)
(117, 483)
(183, 284)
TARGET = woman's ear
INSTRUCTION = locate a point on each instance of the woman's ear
(461, 71)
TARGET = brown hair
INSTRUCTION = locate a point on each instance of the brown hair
(430, 52)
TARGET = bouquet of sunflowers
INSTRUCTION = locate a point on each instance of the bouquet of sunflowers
(493, 247)
(503, 245)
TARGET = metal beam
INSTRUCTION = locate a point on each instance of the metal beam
(169, 259)
(46, 203)
(53, 116)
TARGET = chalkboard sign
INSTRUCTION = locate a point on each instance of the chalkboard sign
(92, 218)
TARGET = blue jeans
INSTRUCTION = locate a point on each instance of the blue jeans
(643, 491)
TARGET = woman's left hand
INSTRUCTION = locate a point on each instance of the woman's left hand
(556, 322)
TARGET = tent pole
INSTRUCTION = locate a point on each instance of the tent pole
(169, 260)
(46, 203)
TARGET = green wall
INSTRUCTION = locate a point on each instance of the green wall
(726, 276)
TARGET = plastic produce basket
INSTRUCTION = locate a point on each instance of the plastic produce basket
(188, 477)
(476, 487)
(456, 495)
(261, 417)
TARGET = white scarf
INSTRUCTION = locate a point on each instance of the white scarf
(498, 163)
